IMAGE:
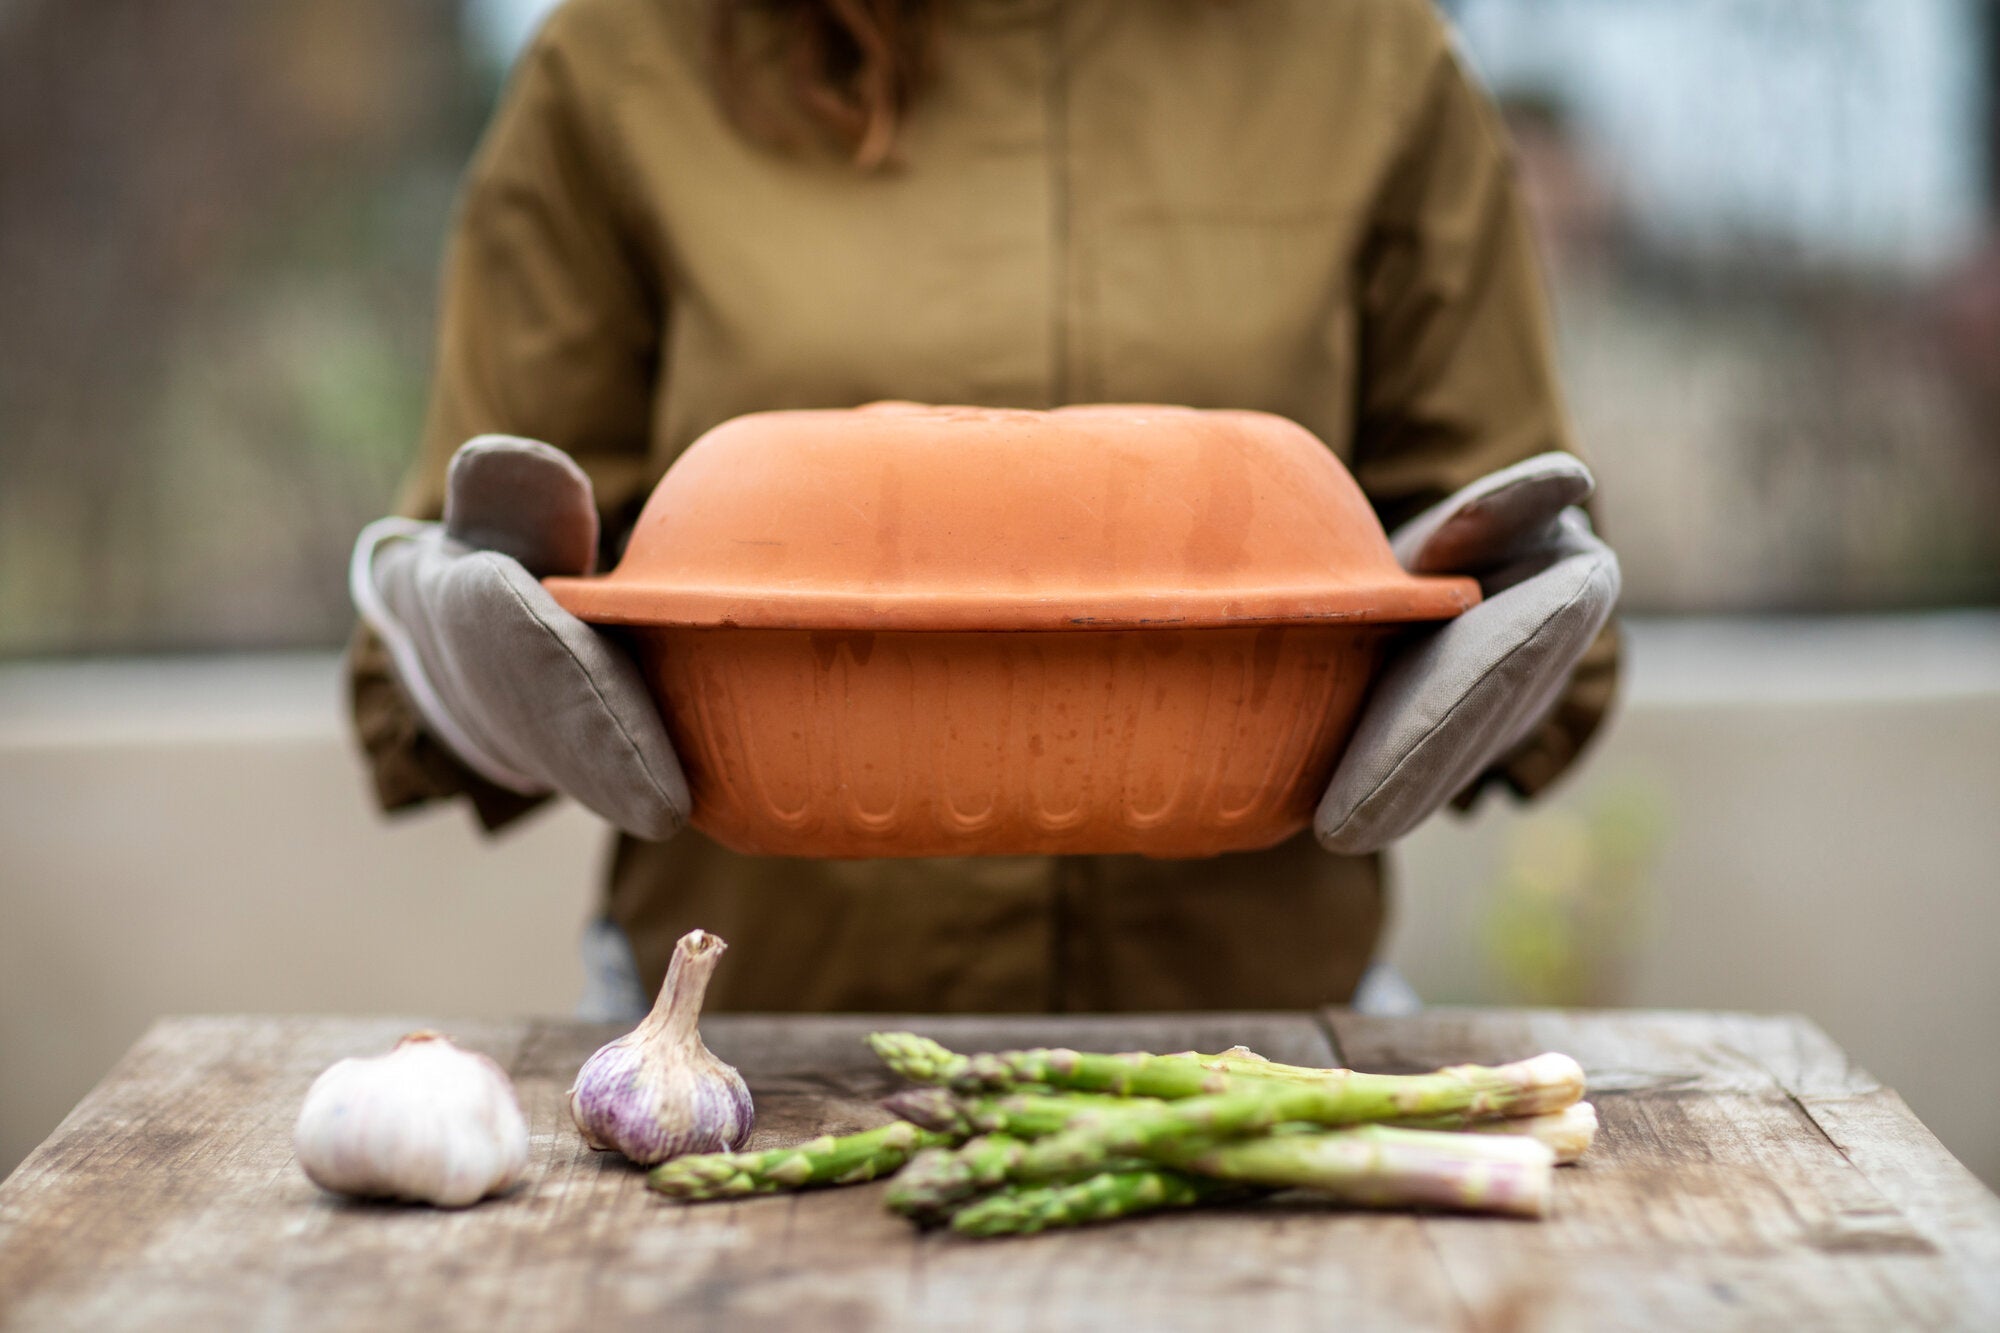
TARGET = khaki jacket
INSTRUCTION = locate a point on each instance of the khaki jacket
(1302, 206)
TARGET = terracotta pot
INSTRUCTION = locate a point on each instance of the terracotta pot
(911, 631)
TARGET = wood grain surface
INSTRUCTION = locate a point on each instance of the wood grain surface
(1747, 1176)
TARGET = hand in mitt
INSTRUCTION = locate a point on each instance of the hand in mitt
(518, 688)
(1451, 702)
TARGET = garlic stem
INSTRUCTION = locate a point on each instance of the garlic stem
(676, 1011)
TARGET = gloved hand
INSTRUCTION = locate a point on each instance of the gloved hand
(1449, 703)
(518, 688)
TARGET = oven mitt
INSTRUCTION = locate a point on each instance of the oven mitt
(518, 688)
(1452, 700)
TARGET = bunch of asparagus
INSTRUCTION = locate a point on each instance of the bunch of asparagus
(1011, 1142)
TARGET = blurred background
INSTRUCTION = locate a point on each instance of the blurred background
(1773, 237)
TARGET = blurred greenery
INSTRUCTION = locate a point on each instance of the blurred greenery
(234, 277)
(1571, 900)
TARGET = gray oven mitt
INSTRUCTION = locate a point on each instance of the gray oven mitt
(1454, 699)
(518, 688)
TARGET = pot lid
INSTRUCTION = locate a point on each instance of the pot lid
(900, 516)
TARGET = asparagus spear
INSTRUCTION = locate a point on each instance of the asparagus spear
(1023, 1210)
(1503, 1172)
(827, 1160)
(939, 1179)
(1130, 1073)
(1191, 1074)
(1382, 1167)
(1141, 1128)
(1242, 1060)
(1024, 1115)
(1567, 1133)
(1369, 1165)
(922, 1060)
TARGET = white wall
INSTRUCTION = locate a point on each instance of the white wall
(193, 836)
(184, 837)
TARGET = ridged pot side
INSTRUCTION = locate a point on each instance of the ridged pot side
(918, 743)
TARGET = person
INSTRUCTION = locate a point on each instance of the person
(684, 212)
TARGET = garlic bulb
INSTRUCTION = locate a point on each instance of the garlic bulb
(656, 1092)
(427, 1122)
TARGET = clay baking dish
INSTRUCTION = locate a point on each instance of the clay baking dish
(915, 631)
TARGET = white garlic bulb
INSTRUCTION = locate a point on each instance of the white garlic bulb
(427, 1122)
(657, 1092)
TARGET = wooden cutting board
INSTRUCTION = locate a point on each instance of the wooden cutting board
(1746, 1176)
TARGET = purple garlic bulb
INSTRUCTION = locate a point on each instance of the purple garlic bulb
(657, 1092)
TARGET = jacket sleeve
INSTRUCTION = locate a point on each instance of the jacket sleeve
(1457, 358)
(549, 327)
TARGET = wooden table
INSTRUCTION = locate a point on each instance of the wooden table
(1747, 1176)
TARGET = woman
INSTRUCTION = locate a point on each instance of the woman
(684, 212)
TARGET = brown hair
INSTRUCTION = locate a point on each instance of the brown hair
(852, 68)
